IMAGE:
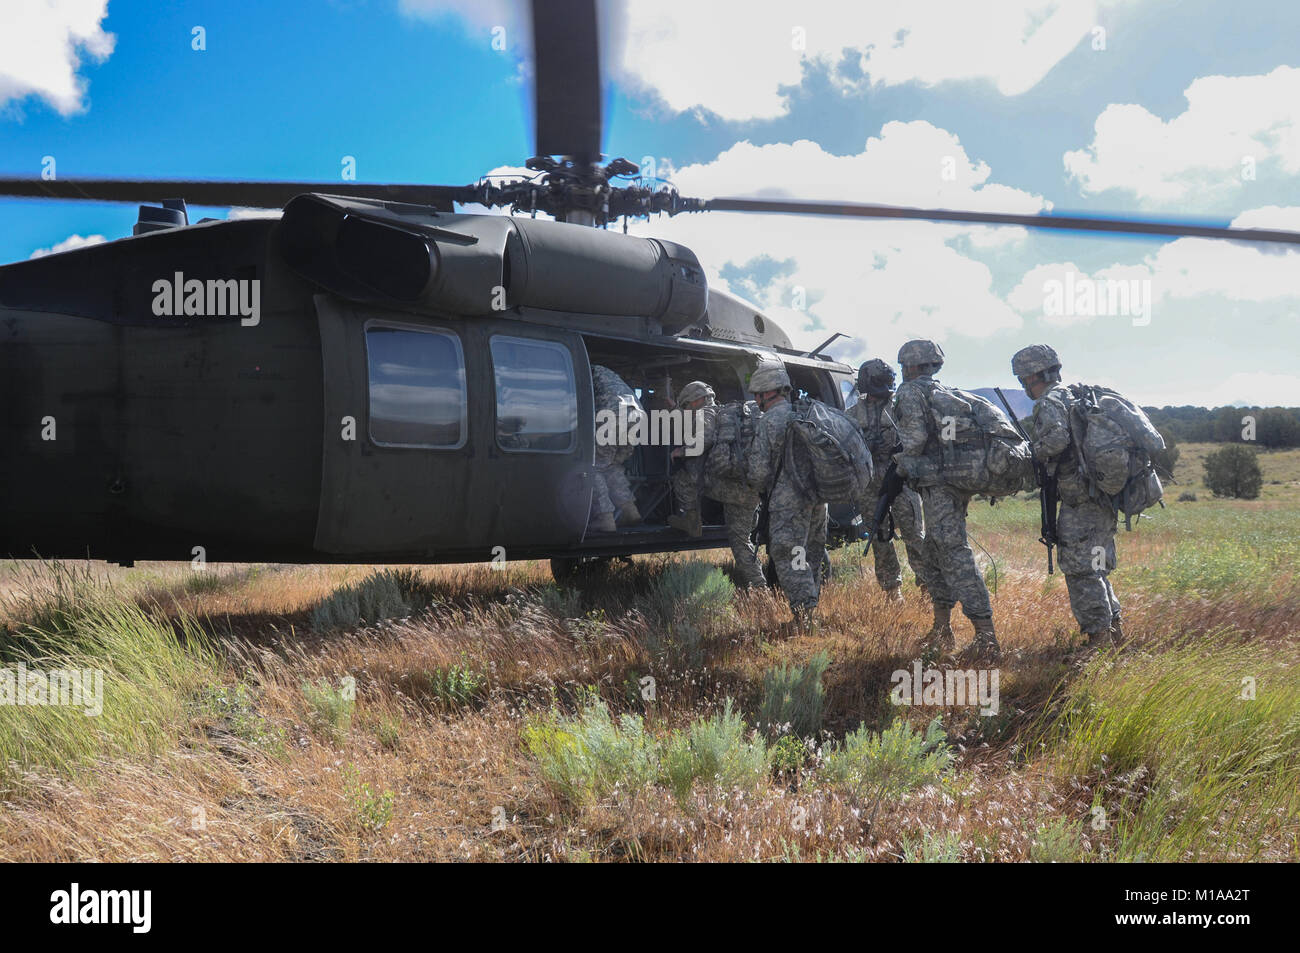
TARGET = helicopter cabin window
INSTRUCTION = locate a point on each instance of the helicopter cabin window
(537, 399)
(417, 387)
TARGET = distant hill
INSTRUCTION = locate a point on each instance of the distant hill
(1018, 399)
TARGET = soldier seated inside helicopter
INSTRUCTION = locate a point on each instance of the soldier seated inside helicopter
(640, 431)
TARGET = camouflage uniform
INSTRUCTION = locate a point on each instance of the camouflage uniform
(1086, 526)
(697, 476)
(793, 519)
(611, 490)
(882, 436)
(946, 548)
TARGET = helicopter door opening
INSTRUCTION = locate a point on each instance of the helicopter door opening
(656, 374)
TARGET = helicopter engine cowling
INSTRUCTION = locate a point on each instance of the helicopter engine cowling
(416, 257)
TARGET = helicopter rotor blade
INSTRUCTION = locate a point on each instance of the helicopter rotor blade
(226, 194)
(566, 61)
(1084, 223)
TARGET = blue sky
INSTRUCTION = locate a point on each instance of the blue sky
(1024, 102)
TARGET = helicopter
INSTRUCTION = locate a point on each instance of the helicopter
(374, 377)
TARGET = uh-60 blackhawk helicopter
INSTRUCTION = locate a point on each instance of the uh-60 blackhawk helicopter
(373, 377)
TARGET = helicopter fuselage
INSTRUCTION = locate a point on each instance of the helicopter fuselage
(308, 390)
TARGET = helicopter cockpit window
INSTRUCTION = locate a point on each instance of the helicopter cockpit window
(537, 399)
(417, 387)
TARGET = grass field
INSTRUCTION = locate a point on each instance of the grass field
(451, 713)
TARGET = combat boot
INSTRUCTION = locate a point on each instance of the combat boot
(602, 523)
(688, 521)
(984, 647)
(803, 618)
(629, 515)
(940, 637)
(894, 594)
(1116, 630)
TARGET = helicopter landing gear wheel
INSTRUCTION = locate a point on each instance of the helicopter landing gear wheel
(568, 570)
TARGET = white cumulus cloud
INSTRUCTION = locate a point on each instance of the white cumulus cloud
(42, 46)
(733, 57)
(881, 282)
(1236, 133)
(69, 243)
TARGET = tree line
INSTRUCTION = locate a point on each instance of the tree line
(1269, 427)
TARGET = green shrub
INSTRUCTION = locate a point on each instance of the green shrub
(391, 594)
(233, 705)
(331, 708)
(1056, 842)
(944, 848)
(389, 733)
(563, 603)
(789, 755)
(456, 685)
(586, 756)
(373, 811)
(1187, 496)
(689, 593)
(1234, 472)
(871, 767)
(793, 698)
(717, 751)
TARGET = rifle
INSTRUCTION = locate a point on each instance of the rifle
(1047, 496)
(890, 487)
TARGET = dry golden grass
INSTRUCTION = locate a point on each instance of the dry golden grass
(415, 776)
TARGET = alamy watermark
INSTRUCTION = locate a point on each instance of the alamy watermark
(80, 688)
(657, 428)
(951, 687)
(1084, 297)
(214, 298)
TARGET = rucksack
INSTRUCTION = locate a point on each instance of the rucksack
(736, 423)
(980, 451)
(1114, 440)
(839, 463)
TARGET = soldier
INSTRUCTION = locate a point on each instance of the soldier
(955, 577)
(871, 414)
(796, 524)
(699, 476)
(611, 492)
(1085, 529)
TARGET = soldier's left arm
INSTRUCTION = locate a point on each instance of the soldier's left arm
(1051, 428)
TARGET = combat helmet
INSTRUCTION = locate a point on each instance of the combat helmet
(694, 391)
(875, 378)
(769, 375)
(1034, 359)
(919, 352)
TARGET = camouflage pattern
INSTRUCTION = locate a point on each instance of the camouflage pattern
(914, 424)
(920, 351)
(881, 435)
(1086, 526)
(1033, 359)
(947, 555)
(610, 486)
(794, 521)
(956, 578)
(695, 478)
(695, 390)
